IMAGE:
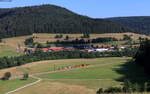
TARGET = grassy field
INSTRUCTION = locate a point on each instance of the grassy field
(105, 72)
(97, 72)
(6, 86)
(7, 51)
(48, 65)
(52, 87)
(105, 75)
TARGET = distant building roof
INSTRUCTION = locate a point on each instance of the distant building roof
(45, 49)
(56, 48)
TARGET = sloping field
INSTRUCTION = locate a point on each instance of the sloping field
(49, 87)
(49, 65)
(42, 38)
(97, 72)
(6, 86)
(104, 73)
(117, 72)
(6, 50)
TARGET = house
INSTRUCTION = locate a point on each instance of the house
(101, 49)
(90, 50)
(112, 49)
(121, 48)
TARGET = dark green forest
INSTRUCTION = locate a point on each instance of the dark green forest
(139, 24)
(51, 19)
(142, 56)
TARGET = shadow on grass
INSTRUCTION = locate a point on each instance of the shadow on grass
(132, 72)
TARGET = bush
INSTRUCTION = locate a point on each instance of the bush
(136, 88)
(25, 76)
(113, 90)
(59, 36)
(29, 41)
(6, 76)
(100, 91)
(0, 40)
(127, 37)
(67, 37)
(145, 88)
(128, 87)
(86, 35)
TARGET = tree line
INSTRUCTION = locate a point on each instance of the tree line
(127, 88)
(139, 24)
(85, 41)
(142, 56)
(30, 41)
(6, 62)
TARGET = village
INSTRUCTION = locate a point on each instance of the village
(87, 44)
(85, 48)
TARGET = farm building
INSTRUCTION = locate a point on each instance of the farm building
(101, 49)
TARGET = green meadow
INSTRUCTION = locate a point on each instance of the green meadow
(6, 86)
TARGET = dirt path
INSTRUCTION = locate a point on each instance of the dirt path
(38, 80)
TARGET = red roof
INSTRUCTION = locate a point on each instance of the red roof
(45, 49)
(56, 48)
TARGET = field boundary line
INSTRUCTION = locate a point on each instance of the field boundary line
(77, 79)
(90, 66)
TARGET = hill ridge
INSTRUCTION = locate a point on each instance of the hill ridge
(139, 24)
(51, 19)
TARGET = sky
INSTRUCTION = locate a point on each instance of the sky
(91, 8)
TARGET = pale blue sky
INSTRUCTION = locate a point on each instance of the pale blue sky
(92, 8)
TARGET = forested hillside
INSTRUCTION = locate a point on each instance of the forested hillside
(51, 19)
(143, 55)
(139, 24)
